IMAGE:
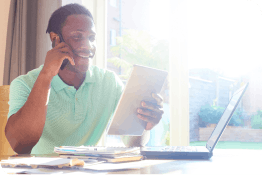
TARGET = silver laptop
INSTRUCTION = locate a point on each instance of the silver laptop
(197, 152)
(140, 85)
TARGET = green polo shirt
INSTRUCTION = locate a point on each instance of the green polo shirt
(74, 117)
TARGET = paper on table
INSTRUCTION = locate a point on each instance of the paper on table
(95, 150)
(113, 159)
(31, 171)
(13, 171)
(48, 171)
(121, 166)
(44, 161)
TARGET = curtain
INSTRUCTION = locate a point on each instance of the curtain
(27, 42)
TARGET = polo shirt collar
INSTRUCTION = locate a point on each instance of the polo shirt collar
(58, 84)
(90, 77)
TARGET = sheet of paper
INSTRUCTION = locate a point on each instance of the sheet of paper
(45, 161)
(47, 171)
(122, 166)
(95, 150)
(36, 161)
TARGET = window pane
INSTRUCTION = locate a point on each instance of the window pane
(224, 52)
(140, 40)
(112, 37)
(65, 2)
(113, 3)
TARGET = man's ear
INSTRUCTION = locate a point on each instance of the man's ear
(54, 36)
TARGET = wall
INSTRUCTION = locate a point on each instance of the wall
(204, 86)
(233, 134)
(253, 99)
(45, 8)
(201, 92)
(4, 12)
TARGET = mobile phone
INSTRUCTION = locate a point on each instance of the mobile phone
(65, 61)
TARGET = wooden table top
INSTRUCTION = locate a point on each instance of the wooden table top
(229, 161)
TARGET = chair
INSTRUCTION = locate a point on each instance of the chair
(5, 148)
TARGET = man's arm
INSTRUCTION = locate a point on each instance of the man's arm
(24, 128)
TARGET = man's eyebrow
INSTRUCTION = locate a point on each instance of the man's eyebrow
(79, 30)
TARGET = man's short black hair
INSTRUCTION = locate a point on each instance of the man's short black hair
(59, 16)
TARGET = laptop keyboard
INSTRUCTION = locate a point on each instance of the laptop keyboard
(179, 149)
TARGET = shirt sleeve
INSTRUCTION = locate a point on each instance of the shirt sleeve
(18, 95)
(119, 90)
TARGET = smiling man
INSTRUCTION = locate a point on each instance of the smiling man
(67, 101)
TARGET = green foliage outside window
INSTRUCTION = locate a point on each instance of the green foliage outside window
(166, 134)
(211, 115)
(139, 47)
(167, 138)
(256, 120)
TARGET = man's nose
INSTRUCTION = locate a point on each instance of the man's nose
(86, 43)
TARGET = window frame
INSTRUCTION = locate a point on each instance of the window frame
(179, 88)
(178, 75)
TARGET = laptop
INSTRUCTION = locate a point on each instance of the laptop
(142, 82)
(197, 152)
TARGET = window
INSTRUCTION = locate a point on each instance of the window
(113, 3)
(112, 37)
(143, 42)
(65, 2)
(224, 52)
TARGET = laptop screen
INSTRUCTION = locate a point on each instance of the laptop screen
(212, 141)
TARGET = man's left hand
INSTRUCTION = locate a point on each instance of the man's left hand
(151, 111)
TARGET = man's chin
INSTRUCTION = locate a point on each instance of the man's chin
(79, 68)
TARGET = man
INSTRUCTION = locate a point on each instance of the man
(53, 106)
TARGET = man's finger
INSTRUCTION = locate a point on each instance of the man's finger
(147, 112)
(148, 119)
(67, 50)
(152, 113)
(70, 59)
(62, 45)
(158, 99)
(56, 41)
(152, 106)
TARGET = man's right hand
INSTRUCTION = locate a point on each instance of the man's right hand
(54, 58)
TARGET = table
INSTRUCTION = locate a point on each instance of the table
(229, 161)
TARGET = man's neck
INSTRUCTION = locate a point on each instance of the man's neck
(72, 78)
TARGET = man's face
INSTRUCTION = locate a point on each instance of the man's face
(79, 33)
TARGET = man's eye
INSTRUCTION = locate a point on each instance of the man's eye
(92, 39)
(77, 37)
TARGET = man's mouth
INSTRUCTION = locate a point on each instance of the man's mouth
(84, 54)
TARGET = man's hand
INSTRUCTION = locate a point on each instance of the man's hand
(151, 112)
(55, 57)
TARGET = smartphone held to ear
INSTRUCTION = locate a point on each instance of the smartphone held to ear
(65, 61)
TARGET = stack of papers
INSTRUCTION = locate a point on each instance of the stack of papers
(109, 154)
